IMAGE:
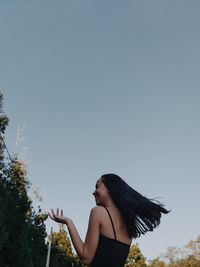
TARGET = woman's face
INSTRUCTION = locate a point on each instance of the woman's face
(100, 193)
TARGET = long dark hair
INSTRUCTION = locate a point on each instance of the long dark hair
(140, 213)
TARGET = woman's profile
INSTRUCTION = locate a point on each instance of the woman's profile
(120, 214)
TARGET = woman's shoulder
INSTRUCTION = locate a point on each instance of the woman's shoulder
(97, 210)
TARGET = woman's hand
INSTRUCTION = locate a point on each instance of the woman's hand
(58, 216)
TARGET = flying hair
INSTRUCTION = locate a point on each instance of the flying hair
(140, 213)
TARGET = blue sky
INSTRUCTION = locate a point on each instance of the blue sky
(106, 86)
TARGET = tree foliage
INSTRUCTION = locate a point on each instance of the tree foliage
(188, 256)
(157, 263)
(135, 257)
(61, 251)
(22, 229)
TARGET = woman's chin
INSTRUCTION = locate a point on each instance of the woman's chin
(97, 202)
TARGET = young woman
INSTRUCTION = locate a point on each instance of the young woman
(121, 214)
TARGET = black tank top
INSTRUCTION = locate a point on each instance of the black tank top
(110, 252)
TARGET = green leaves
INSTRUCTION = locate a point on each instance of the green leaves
(61, 251)
(22, 230)
(135, 257)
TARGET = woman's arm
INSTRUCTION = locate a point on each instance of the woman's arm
(86, 250)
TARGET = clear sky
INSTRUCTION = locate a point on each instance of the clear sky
(107, 86)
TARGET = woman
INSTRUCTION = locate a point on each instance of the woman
(121, 214)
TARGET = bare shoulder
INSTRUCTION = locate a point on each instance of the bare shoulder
(97, 211)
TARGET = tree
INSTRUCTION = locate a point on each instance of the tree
(194, 248)
(157, 263)
(135, 257)
(37, 234)
(61, 251)
(188, 256)
(172, 254)
(61, 240)
(22, 230)
(4, 194)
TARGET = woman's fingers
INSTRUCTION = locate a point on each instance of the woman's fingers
(53, 213)
(56, 216)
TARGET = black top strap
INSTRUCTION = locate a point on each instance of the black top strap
(112, 223)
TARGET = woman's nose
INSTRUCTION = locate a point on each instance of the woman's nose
(94, 193)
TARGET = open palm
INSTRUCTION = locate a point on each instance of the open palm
(58, 216)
